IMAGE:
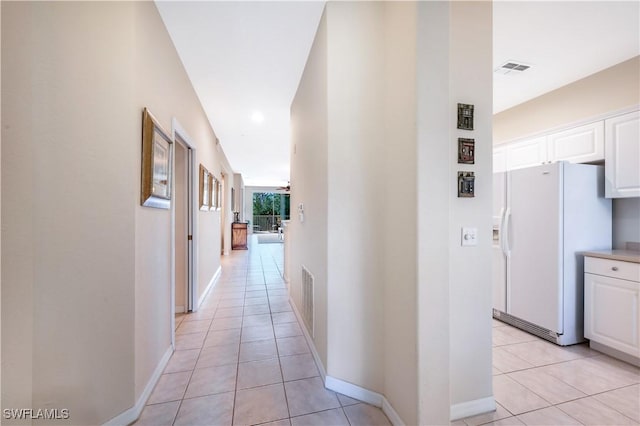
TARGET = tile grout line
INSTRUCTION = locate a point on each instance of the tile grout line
(590, 355)
(263, 257)
(196, 363)
(284, 388)
(235, 390)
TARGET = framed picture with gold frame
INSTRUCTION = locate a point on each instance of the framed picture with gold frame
(157, 157)
(205, 188)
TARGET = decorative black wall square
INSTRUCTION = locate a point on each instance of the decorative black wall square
(466, 184)
(465, 116)
(466, 151)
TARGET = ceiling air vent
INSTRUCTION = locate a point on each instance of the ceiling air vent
(511, 67)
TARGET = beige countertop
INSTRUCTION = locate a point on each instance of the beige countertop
(623, 255)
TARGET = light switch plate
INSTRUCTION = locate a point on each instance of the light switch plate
(469, 236)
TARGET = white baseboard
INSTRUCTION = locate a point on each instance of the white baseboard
(131, 415)
(212, 283)
(353, 391)
(312, 346)
(345, 388)
(364, 395)
(180, 309)
(472, 408)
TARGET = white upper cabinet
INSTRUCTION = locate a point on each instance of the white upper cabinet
(526, 153)
(499, 159)
(622, 156)
(616, 140)
(582, 144)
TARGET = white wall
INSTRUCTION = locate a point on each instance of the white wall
(454, 282)
(470, 274)
(398, 175)
(226, 216)
(626, 221)
(433, 223)
(356, 173)
(157, 64)
(309, 173)
(393, 224)
(609, 90)
(86, 281)
(69, 196)
(238, 186)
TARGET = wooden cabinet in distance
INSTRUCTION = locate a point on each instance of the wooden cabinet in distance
(239, 236)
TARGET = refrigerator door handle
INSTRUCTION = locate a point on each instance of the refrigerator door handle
(506, 222)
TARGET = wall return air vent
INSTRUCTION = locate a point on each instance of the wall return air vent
(512, 67)
(307, 301)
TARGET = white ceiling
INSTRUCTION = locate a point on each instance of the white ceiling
(562, 41)
(244, 57)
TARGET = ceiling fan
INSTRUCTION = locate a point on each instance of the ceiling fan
(285, 188)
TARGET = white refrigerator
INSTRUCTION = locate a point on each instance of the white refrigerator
(543, 218)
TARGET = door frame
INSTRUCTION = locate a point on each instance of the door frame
(180, 135)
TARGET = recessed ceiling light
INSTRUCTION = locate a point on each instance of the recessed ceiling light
(257, 117)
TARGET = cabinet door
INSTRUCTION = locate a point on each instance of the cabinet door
(622, 156)
(611, 315)
(582, 144)
(527, 153)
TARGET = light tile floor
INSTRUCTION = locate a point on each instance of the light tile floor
(242, 359)
(538, 383)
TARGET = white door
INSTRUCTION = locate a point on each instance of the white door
(499, 264)
(527, 153)
(611, 315)
(581, 144)
(622, 156)
(534, 289)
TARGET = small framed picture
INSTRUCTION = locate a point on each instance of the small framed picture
(157, 153)
(466, 184)
(465, 116)
(466, 151)
(205, 189)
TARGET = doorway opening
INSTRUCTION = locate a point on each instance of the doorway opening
(269, 210)
(223, 216)
(183, 227)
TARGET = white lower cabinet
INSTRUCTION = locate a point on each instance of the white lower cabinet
(612, 305)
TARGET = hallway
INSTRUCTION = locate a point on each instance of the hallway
(242, 359)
